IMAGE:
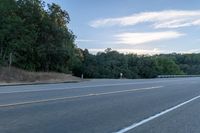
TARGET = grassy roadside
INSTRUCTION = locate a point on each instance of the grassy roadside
(16, 76)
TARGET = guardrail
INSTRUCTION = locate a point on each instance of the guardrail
(176, 76)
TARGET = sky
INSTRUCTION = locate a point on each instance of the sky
(135, 26)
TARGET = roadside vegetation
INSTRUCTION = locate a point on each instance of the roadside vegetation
(16, 76)
(110, 64)
(36, 38)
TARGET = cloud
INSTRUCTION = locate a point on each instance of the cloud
(159, 19)
(128, 51)
(140, 38)
(192, 51)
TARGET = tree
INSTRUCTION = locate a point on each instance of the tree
(39, 38)
(167, 66)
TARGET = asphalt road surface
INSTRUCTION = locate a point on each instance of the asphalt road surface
(103, 106)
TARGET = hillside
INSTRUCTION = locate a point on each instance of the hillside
(15, 75)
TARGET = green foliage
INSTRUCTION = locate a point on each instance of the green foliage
(110, 64)
(38, 38)
(167, 66)
(188, 63)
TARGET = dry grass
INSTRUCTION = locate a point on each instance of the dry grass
(15, 75)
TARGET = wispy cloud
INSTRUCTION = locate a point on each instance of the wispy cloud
(128, 51)
(192, 51)
(159, 19)
(140, 38)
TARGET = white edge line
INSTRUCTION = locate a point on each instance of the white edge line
(126, 129)
(81, 96)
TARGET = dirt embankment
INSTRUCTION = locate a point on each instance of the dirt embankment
(15, 75)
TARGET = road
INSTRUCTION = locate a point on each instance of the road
(103, 106)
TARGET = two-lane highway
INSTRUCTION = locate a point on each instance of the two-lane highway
(102, 106)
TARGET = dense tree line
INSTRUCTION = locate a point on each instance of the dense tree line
(36, 35)
(110, 64)
(37, 38)
(188, 63)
